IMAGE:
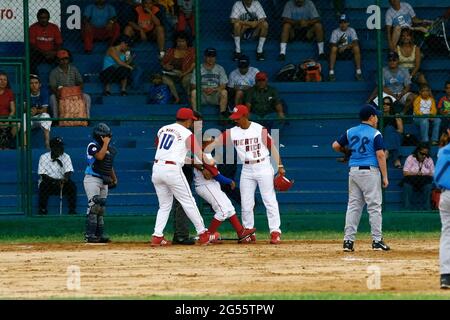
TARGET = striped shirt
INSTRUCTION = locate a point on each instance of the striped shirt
(238, 80)
(59, 78)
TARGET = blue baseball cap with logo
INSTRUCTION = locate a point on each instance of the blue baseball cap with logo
(367, 111)
(343, 18)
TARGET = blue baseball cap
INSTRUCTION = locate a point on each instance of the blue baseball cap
(367, 111)
(343, 18)
(243, 61)
(210, 52)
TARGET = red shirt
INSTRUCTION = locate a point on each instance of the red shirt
(5, 102)
(45, 38)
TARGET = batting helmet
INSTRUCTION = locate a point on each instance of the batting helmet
(101, 130)
(281, 183)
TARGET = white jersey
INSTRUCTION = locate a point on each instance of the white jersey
(249, 143)
(52, 168)
(199, 179)
(172, 144)
(256, 11)
(238, 80)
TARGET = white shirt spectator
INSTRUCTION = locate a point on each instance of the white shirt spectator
(308, 11)
(343, 38)
(402, 17)
(52, 168)
(256, 10)
(237, 80)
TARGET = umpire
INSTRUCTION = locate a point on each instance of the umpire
(367, 159)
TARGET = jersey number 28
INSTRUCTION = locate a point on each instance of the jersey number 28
(166, 141)
(362, 146)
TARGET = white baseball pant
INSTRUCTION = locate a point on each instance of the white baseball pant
(169, 182)
(219, 201)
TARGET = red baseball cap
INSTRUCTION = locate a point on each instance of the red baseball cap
(261, 76)
(185, 114)
(61, 54)
(239, 111)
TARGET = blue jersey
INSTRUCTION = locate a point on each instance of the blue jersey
(91, 150)
(442, 171)
(364, 141)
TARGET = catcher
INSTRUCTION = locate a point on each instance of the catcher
(99, 178)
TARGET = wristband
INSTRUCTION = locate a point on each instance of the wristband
(280, 166)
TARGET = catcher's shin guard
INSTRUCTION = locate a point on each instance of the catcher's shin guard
(100, 233)
(91, 228)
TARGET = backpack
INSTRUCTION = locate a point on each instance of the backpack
(311, 71)
(160, 94)
(289, 72)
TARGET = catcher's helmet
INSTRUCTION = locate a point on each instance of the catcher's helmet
(281, 183)
(101, 130)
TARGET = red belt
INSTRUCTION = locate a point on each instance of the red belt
(254, 161)
(166, 162)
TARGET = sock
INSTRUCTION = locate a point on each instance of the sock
(320, 46)
(161, 54)
(237, 44)
(331, 71)
(261, 45)
(214, 225)
(358, 71)
(235, 223)
(283, 46)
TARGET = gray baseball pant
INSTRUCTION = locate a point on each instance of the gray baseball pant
(94, 187)
(444, 248)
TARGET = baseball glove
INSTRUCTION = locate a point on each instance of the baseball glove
(347, 153)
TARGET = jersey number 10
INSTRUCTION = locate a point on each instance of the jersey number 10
(166, 141)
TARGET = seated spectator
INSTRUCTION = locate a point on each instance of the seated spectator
(410, 56)
(301, 20)
(186, 17)
(241, 79)
(249, 21)
(444, 106)
(126, 13)
(344, 44)
(401, 15)
(55, 169)
(7, 111)
(99, 23)
(418, 177)
(159, 92)
(148, 25)
(39, 105)
(424, 105)
(116, 68)
(213, 82)
(45, 40)
(264, 105)
(65, 75)
(393, 133)
(396, 83)
(178, 64)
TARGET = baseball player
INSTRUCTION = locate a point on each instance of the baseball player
(366, 161)
(173, 143)
(210, 191)
(442, 180)
(99, 178)
(252, 143)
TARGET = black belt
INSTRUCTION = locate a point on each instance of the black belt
(364, 167)
(254, 161)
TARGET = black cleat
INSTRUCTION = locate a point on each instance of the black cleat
(445, 281)
(93, 239)
(260, 56)
(380, 246)
(348, 246)
(183, 241)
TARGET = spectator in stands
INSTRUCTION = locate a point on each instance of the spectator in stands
(159, 92)
(7, 111)
(418, 177)
(344, 44)
(249, 21)
(301, 20)
(65, 75)
(99, 23)
(241, 79)
(148, 24)
(167, 8)
(55, 169)
(264, 104)
(178, 64)
(126, 13)
(425, 105)
(444, 106)
(410, 56)
(213, 82)
(186, 17)
(45, 40)
(393, 132)
(39, 105)
(116, 67)
(401, 15)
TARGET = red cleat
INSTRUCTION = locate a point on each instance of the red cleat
(275, 237)
(249, 240)
(159, 241)
(245, 233)
(206, 238)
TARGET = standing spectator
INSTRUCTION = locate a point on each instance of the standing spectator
(7, 111)
(418, 177)
(55, 169)
(99, 23)
(213, 82)
(241, 79)
(65, 75)
(344, 43)
(444, 106)
(401, 15)
(39, 108)
(45, 40)
(249, 21)
(186, 17)
(410, 56)
(264, 104)
(178, 64)
(301, 20)
(116, 67)
(424, 105)
(393, 133)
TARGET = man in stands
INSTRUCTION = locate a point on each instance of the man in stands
(241, 79)
(39, 106)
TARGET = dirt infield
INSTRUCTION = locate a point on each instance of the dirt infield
(137, 270)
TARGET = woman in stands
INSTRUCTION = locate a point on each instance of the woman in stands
(7, 111)
(178, 64)
(410, 56)
(116, 66)
(393, 132)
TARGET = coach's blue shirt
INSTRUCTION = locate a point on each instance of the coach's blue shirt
(442, 170)
(364, 141)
